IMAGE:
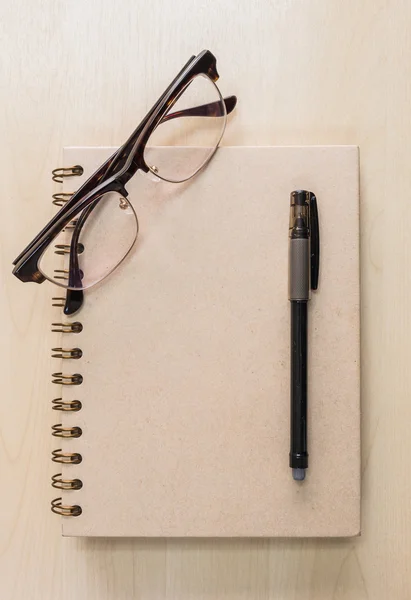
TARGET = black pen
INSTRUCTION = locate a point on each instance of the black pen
(304, 261)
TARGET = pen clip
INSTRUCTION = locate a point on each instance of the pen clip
(314, 242)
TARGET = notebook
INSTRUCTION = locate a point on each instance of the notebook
(182, 417)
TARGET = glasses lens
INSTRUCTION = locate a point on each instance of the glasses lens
(93, 244)
(194, 124)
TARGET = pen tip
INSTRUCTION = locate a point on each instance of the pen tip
(298, 474)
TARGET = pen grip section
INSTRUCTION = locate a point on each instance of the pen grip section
(298, 447)
(299, 265)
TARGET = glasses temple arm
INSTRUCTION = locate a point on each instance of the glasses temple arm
(74, 301)
(205, 110)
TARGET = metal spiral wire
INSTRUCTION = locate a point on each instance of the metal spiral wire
(75, 327)
(58, 482)
(66, 353)
(66, 432)
(61, 198)
(61, 274)
(67, 379)
(65, 249)
(65, 510)
(59, 174)
(66, 405)
(59, 378)
(66, 458)
(58, 301)
(71, 225)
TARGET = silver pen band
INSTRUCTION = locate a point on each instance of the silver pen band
(299, 265)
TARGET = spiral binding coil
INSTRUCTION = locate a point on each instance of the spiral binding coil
(66, 353)
(65, 379)
(65, 249)
(75, 327)
(60, 173)
(58, 482)
(66, 458)
(61, 274)
(66, 405)
(66, 432)
(71, 225)
(59, 301)
(60, 378)
(61, 198)
(65, 510)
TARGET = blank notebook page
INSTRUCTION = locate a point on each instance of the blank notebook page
(186, 357)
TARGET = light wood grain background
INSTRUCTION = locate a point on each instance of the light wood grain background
(305, 72)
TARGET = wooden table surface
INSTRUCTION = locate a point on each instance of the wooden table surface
(305, 72)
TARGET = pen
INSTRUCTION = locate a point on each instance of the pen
(304, 260)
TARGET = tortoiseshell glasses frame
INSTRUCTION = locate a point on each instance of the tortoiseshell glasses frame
(114, 174)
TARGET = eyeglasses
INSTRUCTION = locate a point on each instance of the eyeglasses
(98, 226)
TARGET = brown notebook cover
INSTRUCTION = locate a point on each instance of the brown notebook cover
(185, 396)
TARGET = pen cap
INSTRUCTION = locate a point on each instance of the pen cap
(299, 214)
(304, 245)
